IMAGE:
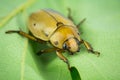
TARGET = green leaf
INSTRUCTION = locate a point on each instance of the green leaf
(15, 12)
(18, 59)
(75, 74)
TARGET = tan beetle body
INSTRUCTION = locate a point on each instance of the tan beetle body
(61, 32)
(43, 25)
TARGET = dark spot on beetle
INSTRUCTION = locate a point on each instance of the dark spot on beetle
(46, 35)
(56, 42)
(34, 24)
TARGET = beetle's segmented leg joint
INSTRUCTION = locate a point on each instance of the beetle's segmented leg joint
(67, 62)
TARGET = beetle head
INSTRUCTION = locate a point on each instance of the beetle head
(72, 45)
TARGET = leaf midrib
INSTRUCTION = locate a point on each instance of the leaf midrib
(23, 59)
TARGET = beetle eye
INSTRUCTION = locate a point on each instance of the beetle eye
(64, 46)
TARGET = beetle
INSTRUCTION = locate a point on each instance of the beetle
(61, 32)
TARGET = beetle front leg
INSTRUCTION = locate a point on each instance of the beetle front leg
(61, 56)
(24, 34)
(90, 49)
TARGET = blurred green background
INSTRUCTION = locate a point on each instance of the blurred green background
(18, 60)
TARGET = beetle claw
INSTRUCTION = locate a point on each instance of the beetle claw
(95, 52)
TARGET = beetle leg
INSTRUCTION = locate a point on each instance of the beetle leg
(70, 17)
(90, 49)
(46, 51)
(24, 34)
(80, 22)
(61, 56)
(69, 14)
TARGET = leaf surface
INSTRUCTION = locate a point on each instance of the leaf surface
(18, 59)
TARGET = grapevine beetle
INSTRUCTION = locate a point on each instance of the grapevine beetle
(59, 31)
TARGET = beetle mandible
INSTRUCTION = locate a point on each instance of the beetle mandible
(59, 31)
